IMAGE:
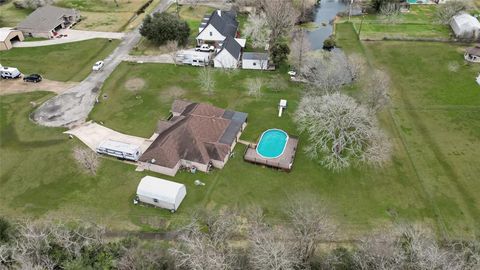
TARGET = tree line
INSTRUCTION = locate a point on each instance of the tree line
(232, 240)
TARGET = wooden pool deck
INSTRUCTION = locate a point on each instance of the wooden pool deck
(284, 162)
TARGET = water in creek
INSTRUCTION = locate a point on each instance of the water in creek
(324, 14)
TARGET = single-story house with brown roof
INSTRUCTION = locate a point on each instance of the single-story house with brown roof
(197, 136)
(473, 54)
(7, 35)
(45, 21)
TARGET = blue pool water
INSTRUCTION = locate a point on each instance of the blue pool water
(272, 143)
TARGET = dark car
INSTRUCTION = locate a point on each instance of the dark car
(32, 78)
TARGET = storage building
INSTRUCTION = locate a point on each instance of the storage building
(161, 193)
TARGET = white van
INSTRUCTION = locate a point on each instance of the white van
(120, 150)
(9, 73)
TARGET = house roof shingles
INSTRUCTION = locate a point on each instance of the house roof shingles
(46, 18)
(232, 47)
(196, 135)
(224, 22)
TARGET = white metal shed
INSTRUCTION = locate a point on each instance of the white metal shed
(465, 26)
(161, 193)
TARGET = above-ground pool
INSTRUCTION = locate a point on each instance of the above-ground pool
(272, 143)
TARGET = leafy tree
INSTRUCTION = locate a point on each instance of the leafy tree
(163, 27)
(279, 52)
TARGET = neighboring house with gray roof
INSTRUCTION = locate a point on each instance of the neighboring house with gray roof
(229, 54)
(45, 21)
(197, 135)
(215, 28)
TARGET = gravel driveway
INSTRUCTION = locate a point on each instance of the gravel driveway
(19, 86)
(73, 106)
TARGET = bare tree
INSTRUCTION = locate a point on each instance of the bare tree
(87, 159)
(340, 132)
(390, 12)
(299, 49)
(281, 17)
(311, 224)
(375, 95)
(327, 72)
(31, 4)
(306, 9)
(207, 80)
(254, 87)
(207, 248)
(271, 248)
(445, 12)
(257, 29)
(172, 50)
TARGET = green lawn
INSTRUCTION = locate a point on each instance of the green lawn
(433, 123)
(10, 16)
(419, 23)
(65, 62)
(435, 112)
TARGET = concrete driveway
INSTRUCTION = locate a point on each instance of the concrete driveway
(73, 106)
(72, 36)
(93, 134)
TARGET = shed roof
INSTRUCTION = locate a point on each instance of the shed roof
(255, 56)
(474, 50)
(46, 18)
(160, 189)
(5, 31)
(466, 22)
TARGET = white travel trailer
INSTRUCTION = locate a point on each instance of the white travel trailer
(120, 150)
(160, 193)
(9, 73)
(194, 58)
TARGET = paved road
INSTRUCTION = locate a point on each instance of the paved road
(72, 36)
(73, 106)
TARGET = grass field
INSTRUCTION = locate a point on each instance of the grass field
(433, 123)
(10, 16)
(435, 112)
(65, 62)
(97, 15)
(419, 23)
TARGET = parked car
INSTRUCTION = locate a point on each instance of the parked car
(98, 66)
(205, 48)
(33, 78)
(292, 73)
(9, 73)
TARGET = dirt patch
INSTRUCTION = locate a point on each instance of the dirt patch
(173, 92)
(135, 84)
(19, 86)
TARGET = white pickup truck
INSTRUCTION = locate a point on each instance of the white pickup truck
(205, 48)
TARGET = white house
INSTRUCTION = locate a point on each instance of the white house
(229, 54)
(252, 60)
(465, 26)
(161, 193)
(214, 29)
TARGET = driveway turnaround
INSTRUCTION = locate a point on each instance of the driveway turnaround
(163, 58)
(72, 36)
(93, 134)
(73, 106)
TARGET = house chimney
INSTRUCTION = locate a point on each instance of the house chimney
(219, 12)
